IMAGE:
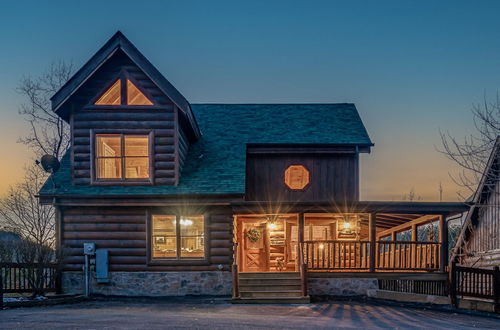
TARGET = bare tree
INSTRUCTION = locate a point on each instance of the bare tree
(472, 152)
(22, 213)
(411, 196)
(48, 134)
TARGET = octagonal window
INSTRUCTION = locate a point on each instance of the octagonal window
(296, 177)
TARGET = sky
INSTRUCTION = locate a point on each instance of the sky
(411, 67)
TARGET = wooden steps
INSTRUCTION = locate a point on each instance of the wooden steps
(270, 288)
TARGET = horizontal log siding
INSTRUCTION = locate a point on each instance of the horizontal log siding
(123, 231)
(160, 120)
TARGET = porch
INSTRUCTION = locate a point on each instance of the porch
(341, 242)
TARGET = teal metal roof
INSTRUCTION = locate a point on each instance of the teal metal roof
(216, 162)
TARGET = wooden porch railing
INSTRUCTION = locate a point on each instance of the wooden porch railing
(474, 283)
(355, 255)
(407, 255)
(329, 254)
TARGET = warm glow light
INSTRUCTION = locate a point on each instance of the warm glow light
(347, 225)
(321, 246)
(184, 222)
(272, 225)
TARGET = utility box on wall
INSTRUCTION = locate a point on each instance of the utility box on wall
(101, 265)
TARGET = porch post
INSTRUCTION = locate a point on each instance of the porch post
(443, 239)
(372, 234)
(301, 227)
(413, 247)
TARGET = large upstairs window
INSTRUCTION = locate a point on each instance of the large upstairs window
(133, 95)
(121, 157)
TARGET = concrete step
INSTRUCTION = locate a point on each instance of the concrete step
(260, 287)
(269, 275)
(270, 294)
(290, 300)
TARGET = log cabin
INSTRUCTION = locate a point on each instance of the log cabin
(257, 201)
(478, 244)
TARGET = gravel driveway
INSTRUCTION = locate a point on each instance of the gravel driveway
(147, 314)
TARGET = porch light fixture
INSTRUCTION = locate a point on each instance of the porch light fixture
(271, 222)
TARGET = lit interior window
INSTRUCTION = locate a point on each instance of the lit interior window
(164, 240)
(112, 163)
(135, 96)
(190, 232)
(136, 157)
(112, 96)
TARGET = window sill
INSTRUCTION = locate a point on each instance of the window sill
(122, 183)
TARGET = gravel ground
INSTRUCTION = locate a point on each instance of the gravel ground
(157, 314)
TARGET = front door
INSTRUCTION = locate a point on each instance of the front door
(255, 247)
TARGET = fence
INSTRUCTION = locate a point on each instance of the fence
(474, 283)
(28, 278)
(429, 287)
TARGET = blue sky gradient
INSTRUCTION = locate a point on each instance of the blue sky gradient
(411, 67)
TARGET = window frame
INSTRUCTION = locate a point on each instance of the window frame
(205, 260)
(123, 180)
(123, 76)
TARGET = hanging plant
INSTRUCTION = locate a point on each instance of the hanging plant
(253, 235)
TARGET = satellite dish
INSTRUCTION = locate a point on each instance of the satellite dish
(50, 164)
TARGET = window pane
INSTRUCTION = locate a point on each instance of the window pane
(192, 237)
(109, 168)
(136, 145)
(164, 241)
(108, 146)
(135, 96)
(136, 167)
(112, 96)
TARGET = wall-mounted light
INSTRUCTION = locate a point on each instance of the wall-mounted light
(184, 222)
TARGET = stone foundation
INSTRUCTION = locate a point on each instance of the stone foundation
(341, 286)
(212, 283)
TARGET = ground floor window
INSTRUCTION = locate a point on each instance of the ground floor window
(178, 237)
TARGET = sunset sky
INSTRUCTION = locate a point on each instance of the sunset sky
(411, 67)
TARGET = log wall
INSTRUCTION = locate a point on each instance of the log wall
(123, 231)
(160, 119)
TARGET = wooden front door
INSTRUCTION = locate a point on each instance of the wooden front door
(255, 247)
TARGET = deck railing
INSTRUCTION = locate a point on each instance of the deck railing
(474, 283)
(407, 255)
(355, 255)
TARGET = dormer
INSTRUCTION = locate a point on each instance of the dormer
(129, 125)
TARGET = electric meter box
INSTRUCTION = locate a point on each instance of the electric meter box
(89, 249)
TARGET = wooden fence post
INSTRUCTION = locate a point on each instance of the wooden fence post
(496, 287)
(452, 289)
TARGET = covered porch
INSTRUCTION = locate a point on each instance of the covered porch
(363, 237)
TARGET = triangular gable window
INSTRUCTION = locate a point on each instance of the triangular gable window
(135, 96)
(112, 96)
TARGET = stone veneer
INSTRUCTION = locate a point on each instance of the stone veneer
(211, 283)
(341, 286)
